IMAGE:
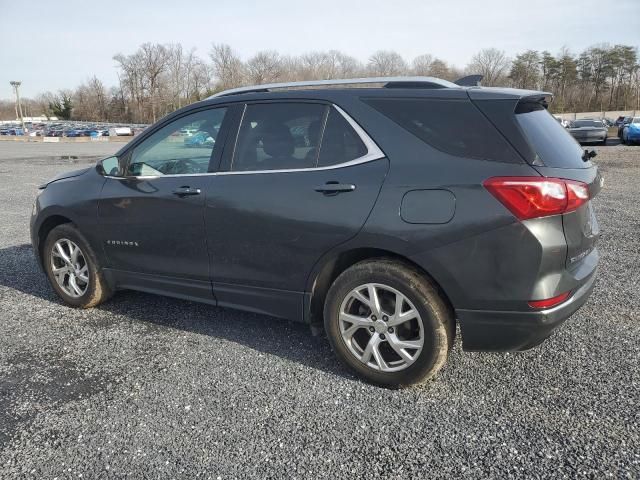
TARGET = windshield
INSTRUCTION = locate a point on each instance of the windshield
(552, 143)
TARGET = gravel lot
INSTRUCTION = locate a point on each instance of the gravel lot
(150, 387)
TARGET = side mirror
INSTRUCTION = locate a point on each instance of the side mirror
(109, 167)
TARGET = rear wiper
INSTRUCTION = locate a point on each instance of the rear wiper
(588, 155)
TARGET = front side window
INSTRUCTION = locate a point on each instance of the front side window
(183, 147)
(277, 136)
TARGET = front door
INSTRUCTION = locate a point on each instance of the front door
(299, 181)
(152, 216)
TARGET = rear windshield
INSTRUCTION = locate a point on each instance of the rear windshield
(553, 144)
(586, 123)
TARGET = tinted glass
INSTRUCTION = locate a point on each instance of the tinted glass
(182, 147)
(553, 144)
(276, 136)
(340, 142)
(586, 123)
(452, 126)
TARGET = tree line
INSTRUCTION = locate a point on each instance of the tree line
(157, 79)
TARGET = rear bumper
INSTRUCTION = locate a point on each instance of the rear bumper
(499, 331)
(591, 138)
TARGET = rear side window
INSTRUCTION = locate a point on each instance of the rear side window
(279, 136)
(551, 142)
(340, 143)
(452, 126)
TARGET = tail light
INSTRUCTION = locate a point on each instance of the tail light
(533, 197)
(549, 302)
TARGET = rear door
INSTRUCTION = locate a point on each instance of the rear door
(563, 157)
(297, 179)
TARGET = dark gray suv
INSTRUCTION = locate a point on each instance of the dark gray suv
(384, 213)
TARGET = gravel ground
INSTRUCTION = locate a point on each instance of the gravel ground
(150, 387)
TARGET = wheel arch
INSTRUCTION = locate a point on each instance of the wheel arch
(332, 267)
(45, 227)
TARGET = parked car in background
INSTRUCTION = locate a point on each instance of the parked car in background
(365, 211)
(631, 131)
(121, 131)
(589, 131)
(625, 121)
(199, 139)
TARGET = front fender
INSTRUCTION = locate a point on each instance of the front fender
(71, 199)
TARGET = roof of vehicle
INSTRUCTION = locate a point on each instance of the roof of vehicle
(414, 84)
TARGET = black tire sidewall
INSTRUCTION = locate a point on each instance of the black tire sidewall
(70, 232)
(420, 292)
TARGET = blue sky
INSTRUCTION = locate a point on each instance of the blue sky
(53, 45)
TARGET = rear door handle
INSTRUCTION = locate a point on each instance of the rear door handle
(335, 187)
(186, 191)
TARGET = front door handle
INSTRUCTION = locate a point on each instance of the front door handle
(186, 191)
(333, 188)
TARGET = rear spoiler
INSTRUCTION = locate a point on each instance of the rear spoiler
(533, 102)
(469, 81)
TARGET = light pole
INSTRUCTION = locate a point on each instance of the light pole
(16, 87)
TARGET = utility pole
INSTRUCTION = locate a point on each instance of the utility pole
(16, 87)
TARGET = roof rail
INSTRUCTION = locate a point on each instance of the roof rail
(388, 82)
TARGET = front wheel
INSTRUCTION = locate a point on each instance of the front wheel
(388, 322)
(73, 269)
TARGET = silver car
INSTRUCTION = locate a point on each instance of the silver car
(589, 131)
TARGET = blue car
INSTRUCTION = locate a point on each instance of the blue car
(199, 139)
(631, 132)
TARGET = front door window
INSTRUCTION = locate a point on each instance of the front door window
(183, 147)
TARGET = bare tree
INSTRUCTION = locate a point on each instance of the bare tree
(228, 69)
(156, 78)
(386, 63)
(421, 65)
(264, 67)
(492, 64)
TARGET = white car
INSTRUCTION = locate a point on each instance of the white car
(121, 131)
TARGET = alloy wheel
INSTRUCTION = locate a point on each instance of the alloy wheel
(69, 268)
(381, 327)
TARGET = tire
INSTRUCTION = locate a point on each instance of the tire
(434, 325)
(91, 292)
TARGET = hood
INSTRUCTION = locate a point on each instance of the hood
(63, 175)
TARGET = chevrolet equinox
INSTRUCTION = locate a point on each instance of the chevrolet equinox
(384, 210)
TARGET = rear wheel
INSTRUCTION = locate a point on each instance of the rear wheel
(72, 268)
(388, 322)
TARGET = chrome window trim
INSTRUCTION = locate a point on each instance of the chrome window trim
(373, 153)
